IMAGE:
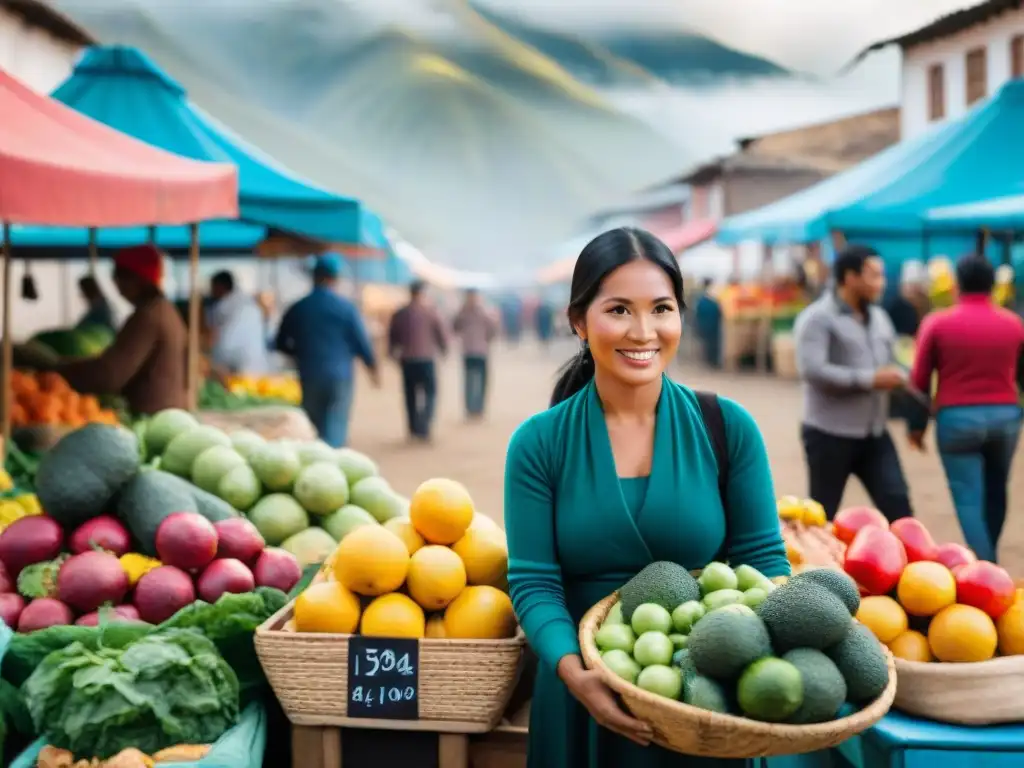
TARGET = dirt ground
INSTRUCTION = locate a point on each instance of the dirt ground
(521, 380)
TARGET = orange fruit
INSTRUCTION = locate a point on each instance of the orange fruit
(485, 555)
(911, 646)
(394, 615)
(1010, 628)
(371, 560)
(962, 633)
(883, 616)
(436, 577)
(403, 528)
(480, 613)
(483, 521)
(435, 627)
(327, 607)
(925, 588)
(441, 510)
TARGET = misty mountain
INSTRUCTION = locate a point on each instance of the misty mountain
(634, 57)
(687, 58)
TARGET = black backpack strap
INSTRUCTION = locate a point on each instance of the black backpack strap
(714, 424)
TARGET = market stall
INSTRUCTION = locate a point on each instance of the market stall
(74, 171)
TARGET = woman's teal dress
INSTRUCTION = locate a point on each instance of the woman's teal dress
(577, 532)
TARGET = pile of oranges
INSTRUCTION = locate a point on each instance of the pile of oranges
(924, 621)
(47, 399)
(440, 572)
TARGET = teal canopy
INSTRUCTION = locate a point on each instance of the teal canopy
(977, 157)
(1004, 213)
(122, 87)
(226, 238)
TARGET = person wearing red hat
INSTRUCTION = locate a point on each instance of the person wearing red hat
(147, 362)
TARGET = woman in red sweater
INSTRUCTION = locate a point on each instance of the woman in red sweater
(975, 347)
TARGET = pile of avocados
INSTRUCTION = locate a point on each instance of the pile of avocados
(732, 641)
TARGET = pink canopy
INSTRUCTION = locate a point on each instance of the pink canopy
(60, 168)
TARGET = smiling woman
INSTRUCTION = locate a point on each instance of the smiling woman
(622, 471)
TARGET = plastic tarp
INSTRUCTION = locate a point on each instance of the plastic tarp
(241, 747)
(486, 165)
(976, 157)
(1002, 213)
(121, 87)
(68, 170)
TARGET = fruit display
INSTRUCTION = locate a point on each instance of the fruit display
(929, 602)
(438, 572)
(301, 496)
(215, 396)
(53, 757)
(734, 642)
(47, 399)
(282, 387)
(807, 534)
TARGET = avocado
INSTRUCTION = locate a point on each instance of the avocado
(704, 693)
(666, 584)
(803, 614)
(836, 582)
(725, 642)
(862, 663)
(824, 686)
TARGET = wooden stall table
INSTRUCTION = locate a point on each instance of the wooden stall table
(901, 741)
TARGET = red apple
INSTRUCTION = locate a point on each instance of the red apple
(849, 521)
(917, 541)
(986, 586)
(954, 555)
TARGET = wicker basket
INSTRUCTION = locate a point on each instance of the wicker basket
(692, 731)
(464, 685)
(983, 693)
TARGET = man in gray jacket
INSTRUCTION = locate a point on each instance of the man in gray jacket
(844, 356)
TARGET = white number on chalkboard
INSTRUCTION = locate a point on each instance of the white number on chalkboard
(384, 662)
(378, 695)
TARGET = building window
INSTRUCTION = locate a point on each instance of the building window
(1017, 56)
(977, 75)
(936, 92)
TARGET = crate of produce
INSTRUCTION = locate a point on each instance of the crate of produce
(408, 626)
(955, 624)
(731, 665)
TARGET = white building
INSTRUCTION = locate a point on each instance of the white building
(956, 61)
(37, 44)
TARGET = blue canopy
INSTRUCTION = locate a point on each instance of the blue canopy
(121, 87)
(1002, 214)
(977, 157)
(215, 237)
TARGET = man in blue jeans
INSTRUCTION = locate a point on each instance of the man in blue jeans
(416, 338)
(975, 349)
(324, 333)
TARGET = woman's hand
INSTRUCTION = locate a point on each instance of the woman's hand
(593, 693)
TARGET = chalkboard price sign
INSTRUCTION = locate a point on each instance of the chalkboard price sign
(383, 678)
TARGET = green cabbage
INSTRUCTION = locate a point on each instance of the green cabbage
(171, 687)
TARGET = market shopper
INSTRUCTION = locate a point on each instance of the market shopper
(975, 347)
(476, 326)
(236, 327)
(625, 460)
(147, 362)
(324, 333)
(844, 348)
(416, 338)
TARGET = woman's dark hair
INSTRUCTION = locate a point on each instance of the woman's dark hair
(598, 259)
(975, 274)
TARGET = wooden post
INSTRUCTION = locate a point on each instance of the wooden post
(194, 318)
(764, 334)
(8, 341)
(152, 234)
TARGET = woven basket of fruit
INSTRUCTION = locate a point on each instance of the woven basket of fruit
(730, 665)
(384, 584)
(980, 693)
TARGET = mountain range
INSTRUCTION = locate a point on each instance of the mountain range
(470, 132)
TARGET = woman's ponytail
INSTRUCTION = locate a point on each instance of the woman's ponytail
(574, 376)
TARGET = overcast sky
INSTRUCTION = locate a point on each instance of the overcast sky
(813, 35)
